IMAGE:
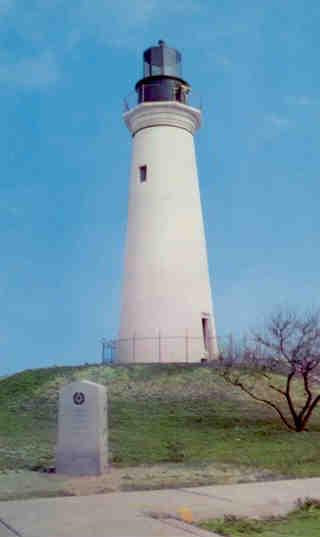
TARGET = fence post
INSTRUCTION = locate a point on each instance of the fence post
(187, 346)
(115, 351)
(159, 347)
(102, 351)
(134, 347)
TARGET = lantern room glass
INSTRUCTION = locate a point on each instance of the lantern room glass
(162, 60)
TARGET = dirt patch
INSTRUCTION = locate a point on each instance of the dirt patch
(171, 475)
(26, 484)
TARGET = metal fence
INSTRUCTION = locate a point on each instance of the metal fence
(160, 349)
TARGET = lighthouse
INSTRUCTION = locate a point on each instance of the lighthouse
(166, 311)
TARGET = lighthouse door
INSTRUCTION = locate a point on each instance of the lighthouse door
(207, 334)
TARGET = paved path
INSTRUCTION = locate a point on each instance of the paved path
(149, 513)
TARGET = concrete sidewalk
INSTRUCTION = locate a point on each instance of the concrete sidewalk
(149, 513)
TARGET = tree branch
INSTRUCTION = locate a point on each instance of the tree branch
(311, 408)
(290, 345)
(262, 400)
(309, 394)
(282, 392)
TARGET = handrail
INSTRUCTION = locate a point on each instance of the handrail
(191, 99)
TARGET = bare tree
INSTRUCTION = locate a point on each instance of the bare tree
(280, 367)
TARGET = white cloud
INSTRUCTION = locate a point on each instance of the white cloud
(29, 73)
(59, 24)
(35, 27)
(6, 6)
(6, 208)
(225, 61)
(120, 23)
(272, 125)
(302, 100)
(279, 122)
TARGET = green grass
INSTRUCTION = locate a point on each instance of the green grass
(304, 521)
(157, 413)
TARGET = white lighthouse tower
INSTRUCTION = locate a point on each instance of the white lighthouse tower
(167, 313)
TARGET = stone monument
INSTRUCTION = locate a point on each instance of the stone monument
(82, 429)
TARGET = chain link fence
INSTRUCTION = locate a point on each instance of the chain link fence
(159, 349)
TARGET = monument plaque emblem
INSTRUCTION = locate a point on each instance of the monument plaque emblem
(79, 398)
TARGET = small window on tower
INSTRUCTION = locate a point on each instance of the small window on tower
(143, 174)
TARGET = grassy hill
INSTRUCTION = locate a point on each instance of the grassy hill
(157, 414)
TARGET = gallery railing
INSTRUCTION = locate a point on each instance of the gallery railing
(191, 99)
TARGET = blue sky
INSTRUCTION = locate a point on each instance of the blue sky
(64, 70)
